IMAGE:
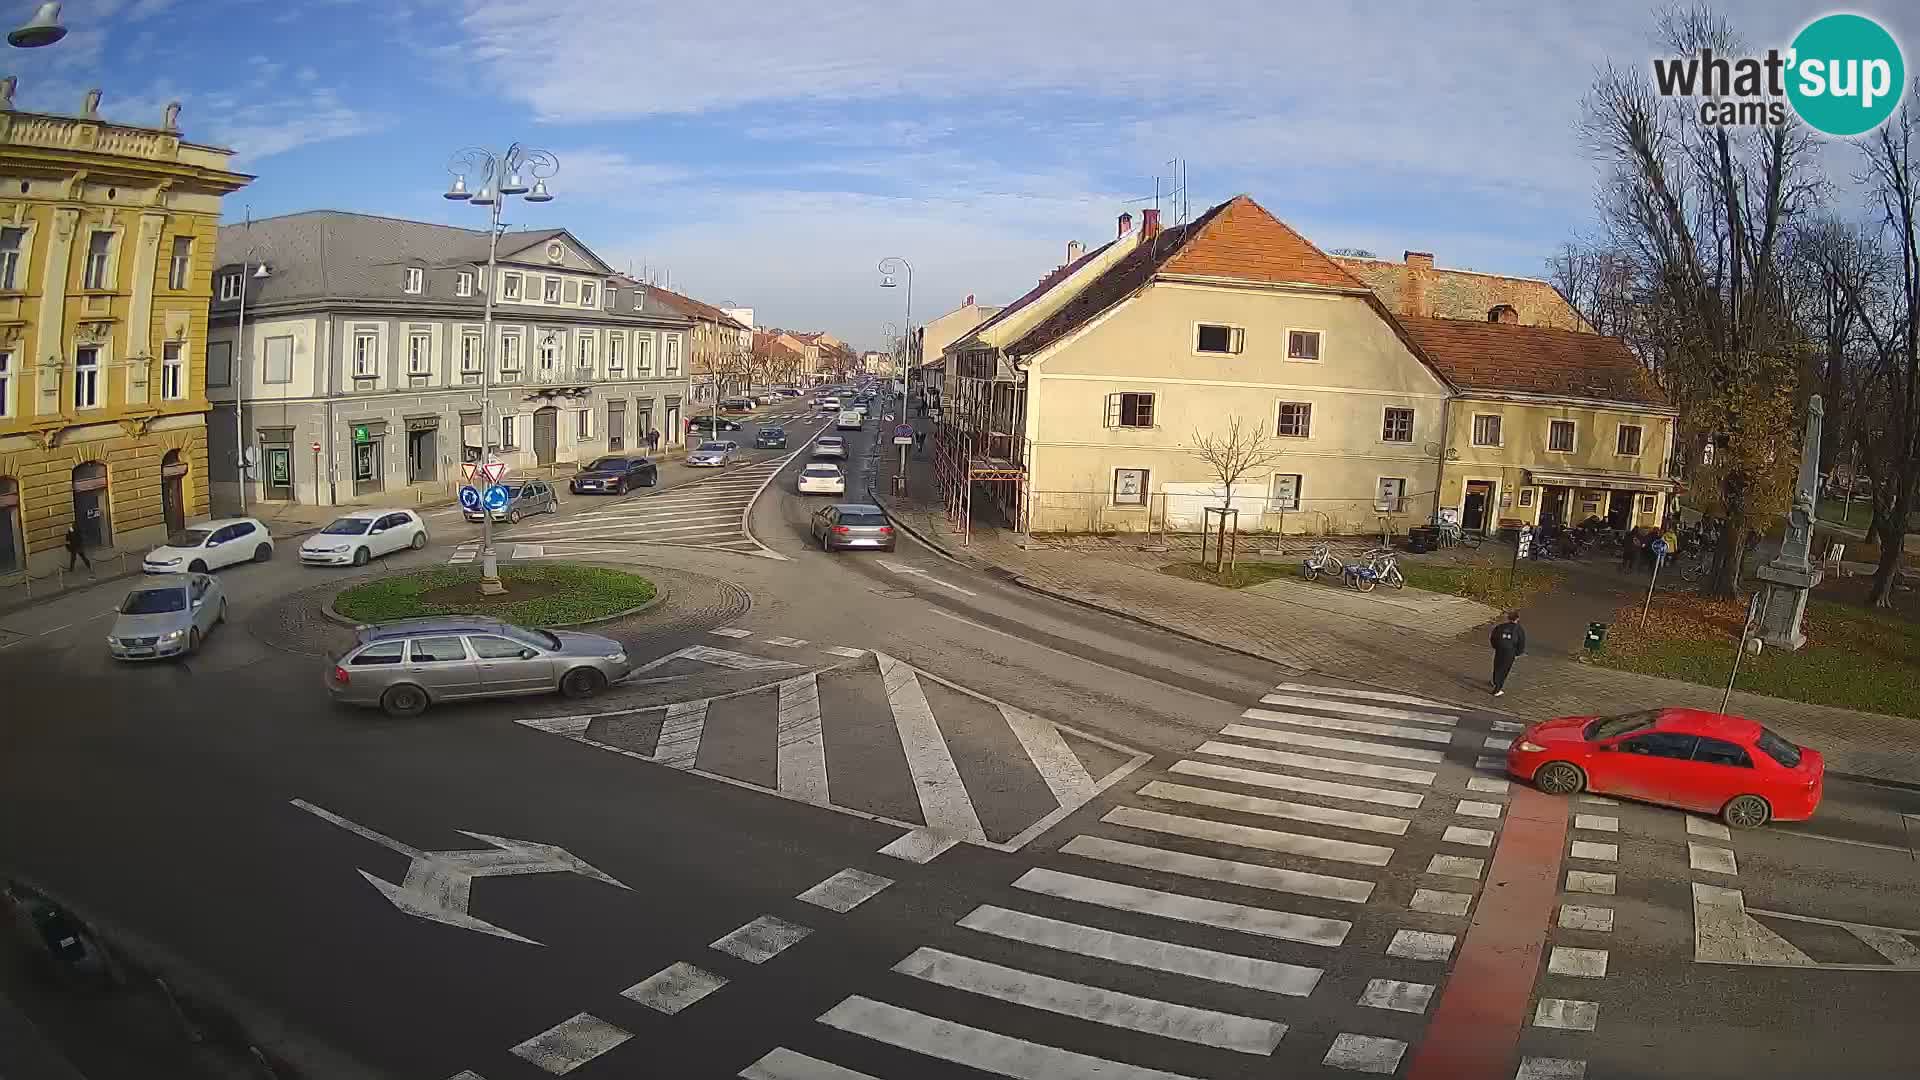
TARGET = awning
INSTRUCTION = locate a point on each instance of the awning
(1601, 481)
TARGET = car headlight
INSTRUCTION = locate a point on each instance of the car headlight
(1532, 747)
(173, 635)
(617, 657)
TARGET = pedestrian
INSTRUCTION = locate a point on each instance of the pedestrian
(1629, 550)
(1509, 639)
(77, 548)
(653, 441)
(920, 443)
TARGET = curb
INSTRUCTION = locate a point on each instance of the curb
(331, 614)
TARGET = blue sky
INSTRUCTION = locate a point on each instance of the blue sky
(771, 153)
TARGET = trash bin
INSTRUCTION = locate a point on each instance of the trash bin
(1422, 539)
(1596, 636)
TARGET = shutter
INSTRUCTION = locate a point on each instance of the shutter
(1113, 410)
(1239, 341)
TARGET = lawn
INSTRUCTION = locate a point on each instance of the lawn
(1239, 576)
(1495, 584)
(1855, 658)
(538, 594)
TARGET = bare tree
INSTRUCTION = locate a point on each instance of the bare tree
(1602, 283)
(1840, 269)
(1234, 452)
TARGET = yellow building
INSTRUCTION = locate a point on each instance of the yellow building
(106, 261)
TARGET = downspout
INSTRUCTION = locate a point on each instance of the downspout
(1440, 466)
(326, 345)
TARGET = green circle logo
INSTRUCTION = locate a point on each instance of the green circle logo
(1847, 74)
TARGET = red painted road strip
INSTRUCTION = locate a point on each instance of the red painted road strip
(1476, 1027)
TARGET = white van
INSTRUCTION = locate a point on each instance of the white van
(850, 420)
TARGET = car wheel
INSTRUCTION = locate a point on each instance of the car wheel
(362, 557)
(263, 553)
(405, 699)
(620, 487)
(1746, 812)
(197, 566)
(193, 641)
(653, 478)
(582, 682)
(221, 616)
(1559, 778)
(553, 506)
(419, 541)
(513, 516)
(825, 545)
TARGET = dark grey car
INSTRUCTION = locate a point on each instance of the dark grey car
(406, 665)
(852, 525)
(524, 497)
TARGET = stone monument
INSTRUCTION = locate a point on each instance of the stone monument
(1785, 582)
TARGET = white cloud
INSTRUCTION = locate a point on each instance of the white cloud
(147, 9)
(261, 128)
(595, 172)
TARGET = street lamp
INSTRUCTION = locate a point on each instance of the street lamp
(240, 462)
(500, 177)
(890, 266)
(43, 29)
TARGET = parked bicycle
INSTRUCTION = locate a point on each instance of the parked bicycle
(1321, 560)
(1385, 564)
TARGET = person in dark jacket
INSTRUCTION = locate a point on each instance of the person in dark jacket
(1509, 640)
(77, 548)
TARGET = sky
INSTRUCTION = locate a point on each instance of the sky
(771, 153)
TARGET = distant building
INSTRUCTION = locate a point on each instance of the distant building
(1418, 289)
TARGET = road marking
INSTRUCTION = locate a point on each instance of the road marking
(1584, 849)
(1208, 868)
(732, 632)
(923, 575)
(571, 1043)
(1491, 764)
(919, 845)
(1473, 809)
(1206, 1027)
(1587, 881)
(1264, 922)
(944, 803)
(845, 890)
(1583, 917)
(725, 658)
(1439, 902)
(1377, 711)
(1596, 823)
(762, 939)
(1410, 800)
(1579, 963)
(1249, 804)
(975, 1047)
(1365, 1053)
(1497, 742)
(1367, 695)
(527, 551)
(1246, 836)
(1891, 942)
(1420, 945)
(679, 743)
(56, 629)
(1361, 727)
(842, 650)
(786, 642)
(1407, 997)
(1546, 1068)
(1713, 860)
(1460, 834)
(1291, 980)
(1321, 742)
(1599, 800)
(1456, 866)
(1849, 841)
(781, 1063)
(1567, 1015)
(802, 766)
(1508, 726)
(1316, 763)
(1056, 762)
(674, 987)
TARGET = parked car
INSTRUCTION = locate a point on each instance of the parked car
(211, 545)
(737, 404)
(830, 446)
(852, 525)
(712, 454)
(613, 475)
(357, 538)
(1696, 760)
(789, 391)
(770, 438)
(850, 420)
(711, 424)
(166, 616)
(524, 497)
(407, 665)
(820, 478)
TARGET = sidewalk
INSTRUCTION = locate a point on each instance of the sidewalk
(1342, 645)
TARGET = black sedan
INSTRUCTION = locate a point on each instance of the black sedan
(711, 424)
(770, 438)
(614, 476)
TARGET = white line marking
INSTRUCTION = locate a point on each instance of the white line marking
(1360, 727)
(781, 1063)
(1596, 823)
(801, 769)
(1714, 860)
(1579, 963)
(732, 632)
(1723, 933)
(1208, 868)
(55, 630)
(1491, 764)
(720, 657)
(1111, 1007)
(1265, 922)
(571, 1043)
(976, 1048)
(1599, 800)
(1587, 881)
(1291, 980)
(1584, 849)
(1315, 847)
(1584, 917)
(919, 845)
(1439, 902)
(1470, 808)
(1250, 804)
(1378, 711)
(1508, 726)
(762, 939)
(1566, 1015)
(1712, 830)
(1344, 746)
(1066, 777)
(1367, 695)
(1284, 782)
(1365, 1053)
(1316, 763)
(569, 726)
(1420, 945)
(1460, 834)
(845, 890)
(1407, 997)
(1546, 1068)
(1487, 785)
(1456, 866)
(786, 642)
(842, 650)
(527, 551)
(1497, 742)
(944, 803)
(1891, 942)
(679, 743)
(674, 987)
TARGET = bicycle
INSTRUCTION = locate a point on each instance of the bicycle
(1321, 560)
(1385, 564)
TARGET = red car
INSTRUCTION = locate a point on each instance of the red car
(1696, 760)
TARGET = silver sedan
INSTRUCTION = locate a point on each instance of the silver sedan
(166, 615)
(406, 665)
(712, 454)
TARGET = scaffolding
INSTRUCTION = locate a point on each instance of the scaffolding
(979, 442)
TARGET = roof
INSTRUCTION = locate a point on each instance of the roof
(698, 309)
(1535, 360)
(1468, 294)
(1047, 282)
(427, 624)
(1704, 722)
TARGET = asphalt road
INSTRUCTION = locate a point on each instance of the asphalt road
(1170, 857)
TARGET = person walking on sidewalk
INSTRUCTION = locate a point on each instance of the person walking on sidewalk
(1509, 639)
(77, 548)
(653, 441)
(920, 444)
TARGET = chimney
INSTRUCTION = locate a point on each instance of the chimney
(1074, 251)
(969, 302)
(1126, 223)
(1149, 223)
(1414, 299)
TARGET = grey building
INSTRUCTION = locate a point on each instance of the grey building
(364, 353)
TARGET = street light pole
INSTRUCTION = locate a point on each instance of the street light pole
(905, 362)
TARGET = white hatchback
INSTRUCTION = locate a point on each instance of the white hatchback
(355, 539)
(211, 545)
(820, 478)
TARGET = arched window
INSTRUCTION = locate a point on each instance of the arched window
(173, 502)
(13, 547)
(90, 504)
(1502, 313)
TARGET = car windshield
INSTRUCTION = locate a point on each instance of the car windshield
(189, 538)
(608, 464)
(1778, 748)
(833, 440)
(822, 470)
(862, 519)
(1608, 726)
(713, 446)
(537, 638)
(154, 601)
(350, 526)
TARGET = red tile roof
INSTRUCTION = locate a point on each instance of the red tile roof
(1466, 294)
(1047, 281)
(689, 306)
(1508, 358)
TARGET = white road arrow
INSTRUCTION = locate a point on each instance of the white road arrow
(439, 883)
(916, 571)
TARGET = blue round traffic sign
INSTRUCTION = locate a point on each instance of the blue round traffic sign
(470, 497)
(496, 498)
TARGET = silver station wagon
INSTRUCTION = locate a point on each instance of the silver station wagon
(406, 665)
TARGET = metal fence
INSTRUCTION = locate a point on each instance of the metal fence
(1098, 513)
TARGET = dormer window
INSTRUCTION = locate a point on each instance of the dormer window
(1502, 313)
(416, 280)
(463, 284)
(587, 297)
(552, 293)
(229, 286)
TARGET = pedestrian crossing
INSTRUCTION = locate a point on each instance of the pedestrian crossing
(1208, 918)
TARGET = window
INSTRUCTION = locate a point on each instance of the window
(1130, 410)
(510, 358)
(1486, 429)
(416, 280)
(86, 377)
(616, 354)
(419, 354)
(1627, 444)
(470, 359)
(387, 652)
(463, 284)
(607, 296)
(583, 424)
(11, 241)
(1130, 487)
(180, 266)
(1608, 726)
(173, 371)
(1389, 493)
(1721, 752)
(1283, 491)
(549, 353)
(6, 385)
(1296, 420)
(99, 254)
(366, 354)
(583, 355)
(1397, 426)
(1646, 504)
(1560, 436)
(220, 363)
(1526, 497)
(1209, 338)
(279, 360)
(509, 286)
(506, 433)
(1665, 744)
(364, 471)
(552, 291)
(1303, 344)
(672, 359)
(432, 650)
(587, 299)
(496, 648)
(643, 355)
(229, 286)
(1777, 748)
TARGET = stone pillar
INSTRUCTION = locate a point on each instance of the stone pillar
(1785, 581)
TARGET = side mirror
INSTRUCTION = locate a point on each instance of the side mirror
(197, 604)
(528, 654)
(1607, 748)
